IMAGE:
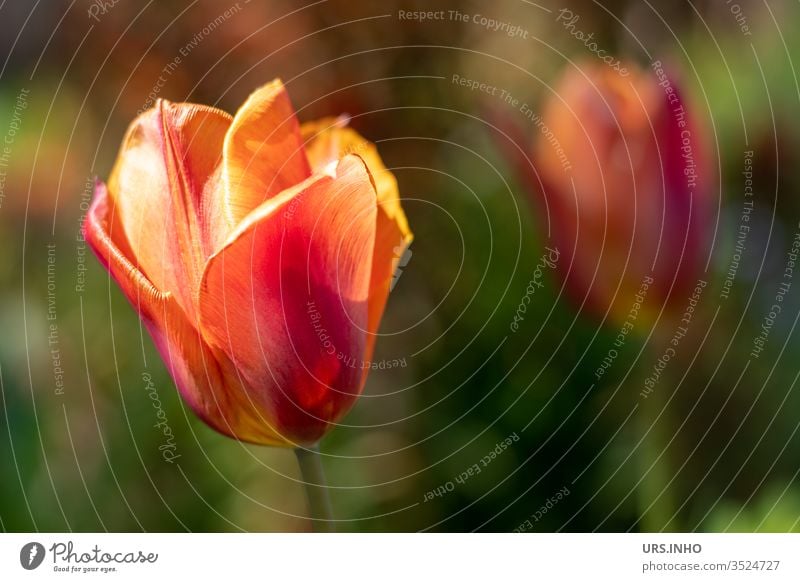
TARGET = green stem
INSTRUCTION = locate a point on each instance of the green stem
(319, 501)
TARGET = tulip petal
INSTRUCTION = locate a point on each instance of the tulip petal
(327, 141)
(164, 185)
(205, 377)
(263, 152)
(622, 206)
(287, 299)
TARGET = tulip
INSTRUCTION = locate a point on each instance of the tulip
(259, 254)
(625, 173)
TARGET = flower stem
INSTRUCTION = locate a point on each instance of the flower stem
(319, 501)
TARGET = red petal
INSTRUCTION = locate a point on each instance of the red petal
(327, 141)
(205, 377)
(287, 299)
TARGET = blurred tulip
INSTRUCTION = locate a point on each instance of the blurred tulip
(626, 178)
(259, 255)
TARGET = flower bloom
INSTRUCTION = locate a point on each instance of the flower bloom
(258, 253)
(625, 173)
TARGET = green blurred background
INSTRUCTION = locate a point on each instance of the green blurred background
(718, 450)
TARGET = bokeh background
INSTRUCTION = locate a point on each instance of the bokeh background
(718, 449)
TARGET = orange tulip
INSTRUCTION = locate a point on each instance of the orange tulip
(259, 255)
(626, 177)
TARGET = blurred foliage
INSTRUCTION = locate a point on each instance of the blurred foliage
(717, 449)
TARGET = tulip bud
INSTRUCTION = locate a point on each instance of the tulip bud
(625, 174)
(258, 253)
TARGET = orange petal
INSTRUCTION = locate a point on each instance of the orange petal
(205, 377)
(286, 299)
(327, 141)
(164, 185)
(263, 152)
